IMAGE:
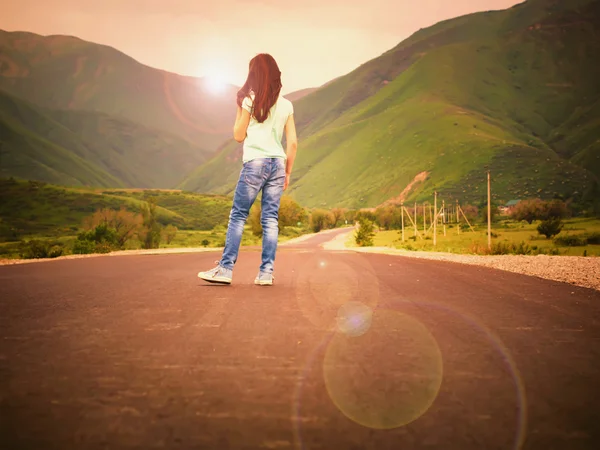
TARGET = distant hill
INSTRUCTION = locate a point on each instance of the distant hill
(79, 148)
(297, 95)
(515, 91)
(63, 72)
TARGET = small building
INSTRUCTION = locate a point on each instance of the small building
(507, 209)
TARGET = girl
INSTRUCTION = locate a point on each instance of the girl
(262, 115)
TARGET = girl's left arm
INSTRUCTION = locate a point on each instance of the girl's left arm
(242, 119)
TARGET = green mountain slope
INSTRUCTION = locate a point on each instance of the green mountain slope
(515, 91)
(85, 148)
(62, 72)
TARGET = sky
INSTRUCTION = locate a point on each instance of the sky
(313, 41)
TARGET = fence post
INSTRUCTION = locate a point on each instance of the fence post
(489, 211)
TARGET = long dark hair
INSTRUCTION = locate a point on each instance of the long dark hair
(264, 80)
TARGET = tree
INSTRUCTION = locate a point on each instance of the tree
(151, 230)
(338, 215)
(550, 227)
(556, 208)
(321, 219)
(537, 209)
(169, 233)
(389, 217)
(528, 210)
(254, 220)
(126, 224)
(290, 212)
(364, 235)
(483, 211)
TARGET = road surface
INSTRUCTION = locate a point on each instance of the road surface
(346, 351)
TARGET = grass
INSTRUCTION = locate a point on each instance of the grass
(477, 92)
(507, 232)
(30, 210)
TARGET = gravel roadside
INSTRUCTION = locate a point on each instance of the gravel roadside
(575, 270)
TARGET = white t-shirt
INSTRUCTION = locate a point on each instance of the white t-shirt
(263, 140)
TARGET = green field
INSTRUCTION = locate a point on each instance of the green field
(468, 242)
(35, 210)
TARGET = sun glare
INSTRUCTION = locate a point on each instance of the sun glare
(216, 77)
(215, 84)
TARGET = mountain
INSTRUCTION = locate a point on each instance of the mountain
(513, 91)
(87, 148)
(297, 95)
(67, 73)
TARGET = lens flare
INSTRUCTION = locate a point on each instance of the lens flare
(386, 377)
(323, 286)
(354, 319)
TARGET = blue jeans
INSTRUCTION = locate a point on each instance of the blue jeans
(268, 175)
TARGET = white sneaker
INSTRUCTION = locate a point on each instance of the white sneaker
(264, 279)
(219, 275)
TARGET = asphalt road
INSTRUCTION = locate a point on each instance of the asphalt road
(346, 351)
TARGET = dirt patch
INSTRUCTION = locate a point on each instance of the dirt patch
(400, 199)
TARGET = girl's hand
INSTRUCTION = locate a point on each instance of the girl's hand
(286, 183)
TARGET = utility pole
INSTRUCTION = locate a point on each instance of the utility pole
(435, 219)
(444, 216)
(457, 218)
(489, 190)
(415, 214)
(402, 210)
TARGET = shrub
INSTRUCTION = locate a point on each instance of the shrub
(593, 238)
(36, 249)
(205, 242)
(101, 239)
(364, 235)
(84, 247)
(550, 227)
(571, 240)
(505, 248)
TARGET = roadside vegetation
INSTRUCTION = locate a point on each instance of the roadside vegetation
(40, 220)
(532, 227)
